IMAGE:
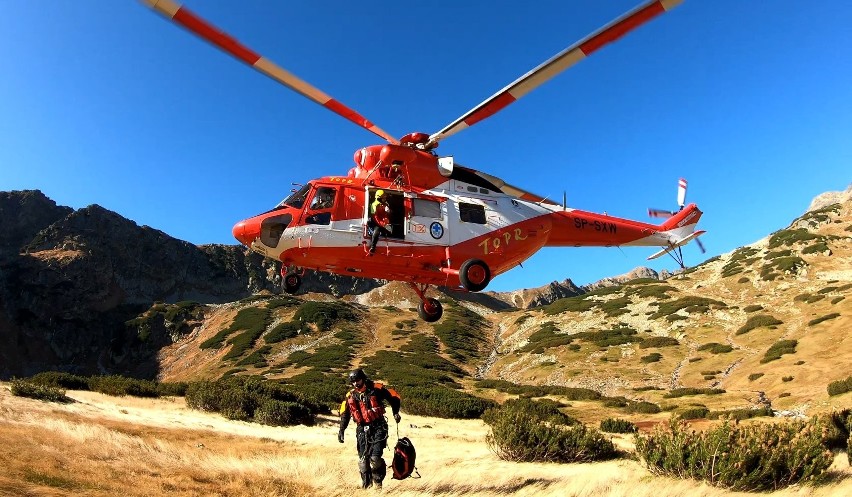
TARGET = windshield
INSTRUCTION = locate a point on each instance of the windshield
(296, 199)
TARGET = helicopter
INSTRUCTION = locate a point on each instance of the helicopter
(446, 225)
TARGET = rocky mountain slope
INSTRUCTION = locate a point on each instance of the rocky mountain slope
(766, 323)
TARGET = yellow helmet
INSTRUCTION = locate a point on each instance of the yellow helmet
(380, 193)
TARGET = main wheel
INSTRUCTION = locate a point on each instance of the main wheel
(474, 275)
(430, 310)
(292, 282)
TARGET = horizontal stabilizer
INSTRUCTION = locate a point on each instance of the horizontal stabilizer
(673, 245)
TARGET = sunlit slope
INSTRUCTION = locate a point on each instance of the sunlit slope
(766, 323)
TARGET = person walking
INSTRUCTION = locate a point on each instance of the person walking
(365, 403)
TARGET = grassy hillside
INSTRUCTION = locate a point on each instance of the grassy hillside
(767, 324)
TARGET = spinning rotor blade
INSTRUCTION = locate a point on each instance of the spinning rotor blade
(226, 43)
(701, 246)
(662, 213)
(681, 192)
(556, 64)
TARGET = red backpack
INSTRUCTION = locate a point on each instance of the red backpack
(403, 459)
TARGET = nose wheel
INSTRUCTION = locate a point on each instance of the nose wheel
(429, 309)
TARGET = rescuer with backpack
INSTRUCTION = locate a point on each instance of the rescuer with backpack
(365, 403)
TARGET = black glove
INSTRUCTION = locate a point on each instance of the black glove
(340, 436)
(397, 417)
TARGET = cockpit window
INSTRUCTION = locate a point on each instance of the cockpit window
(323, 198)
(296, 199)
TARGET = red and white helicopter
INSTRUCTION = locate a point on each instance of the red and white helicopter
(450, 225)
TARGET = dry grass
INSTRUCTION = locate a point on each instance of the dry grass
(107, 446)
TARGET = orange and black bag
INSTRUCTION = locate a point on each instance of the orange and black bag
(404, 456)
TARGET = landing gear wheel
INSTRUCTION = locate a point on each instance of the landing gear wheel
(292, 282)
(430, 310)
(474, 275)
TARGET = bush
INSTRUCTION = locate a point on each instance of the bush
(840, 387)
(240, 398)
(716, 348)
(758, 321)
(522, 436)
(740, 414)
(778, 349)
(658, 342)
(684, 392)
(693, 412)
(443, 402)
(819, 320)
(754, 376)
(753, 308)
(652, 357)
(281, 413)
(32, 390)
(754, 457)
(642, 407)
(614, 425)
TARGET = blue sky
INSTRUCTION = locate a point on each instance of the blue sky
(106, 102)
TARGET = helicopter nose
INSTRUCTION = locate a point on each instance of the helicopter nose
(247, 231)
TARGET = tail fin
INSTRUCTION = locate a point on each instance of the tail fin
(686, 216)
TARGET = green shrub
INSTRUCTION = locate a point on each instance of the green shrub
(778, 349)
(753, 308)
(716, 348)
(607, 338)
(696, 303)
(808, 298)
(819, 320)
(522, 436)
(754, 376)
(786, 379)
(840, 387)
(546, 337)
(281, 413)
(569, 393)
(685, 392)
(642, 407)
(790, 237)
(239, 397)
(692, 412)
(652, 357)
(658, 342)
(283, 331)
(325, 314)
(741, 414)
(615, 425)
(754, 457)
(33, 390)
(758, 321)
(463, 332)
(443, 402)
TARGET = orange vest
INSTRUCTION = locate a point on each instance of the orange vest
(365, 407)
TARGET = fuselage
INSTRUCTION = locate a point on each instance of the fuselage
(439, 219)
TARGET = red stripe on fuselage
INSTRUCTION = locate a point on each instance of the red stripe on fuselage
(489, 110)
(621, 28)
(210, 33)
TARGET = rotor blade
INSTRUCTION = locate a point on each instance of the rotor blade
(660, 213)
(556, 64)
(681, 192)
(700, 246)
(226, 43)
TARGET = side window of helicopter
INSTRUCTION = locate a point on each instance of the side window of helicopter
(426, 208)
(472, 213)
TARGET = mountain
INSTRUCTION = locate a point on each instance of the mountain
(70, 279)
(766, 323)
(89, 291)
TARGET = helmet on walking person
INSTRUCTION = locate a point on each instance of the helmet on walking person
(357, 374)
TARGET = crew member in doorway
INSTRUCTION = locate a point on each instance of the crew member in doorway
(379, 219)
